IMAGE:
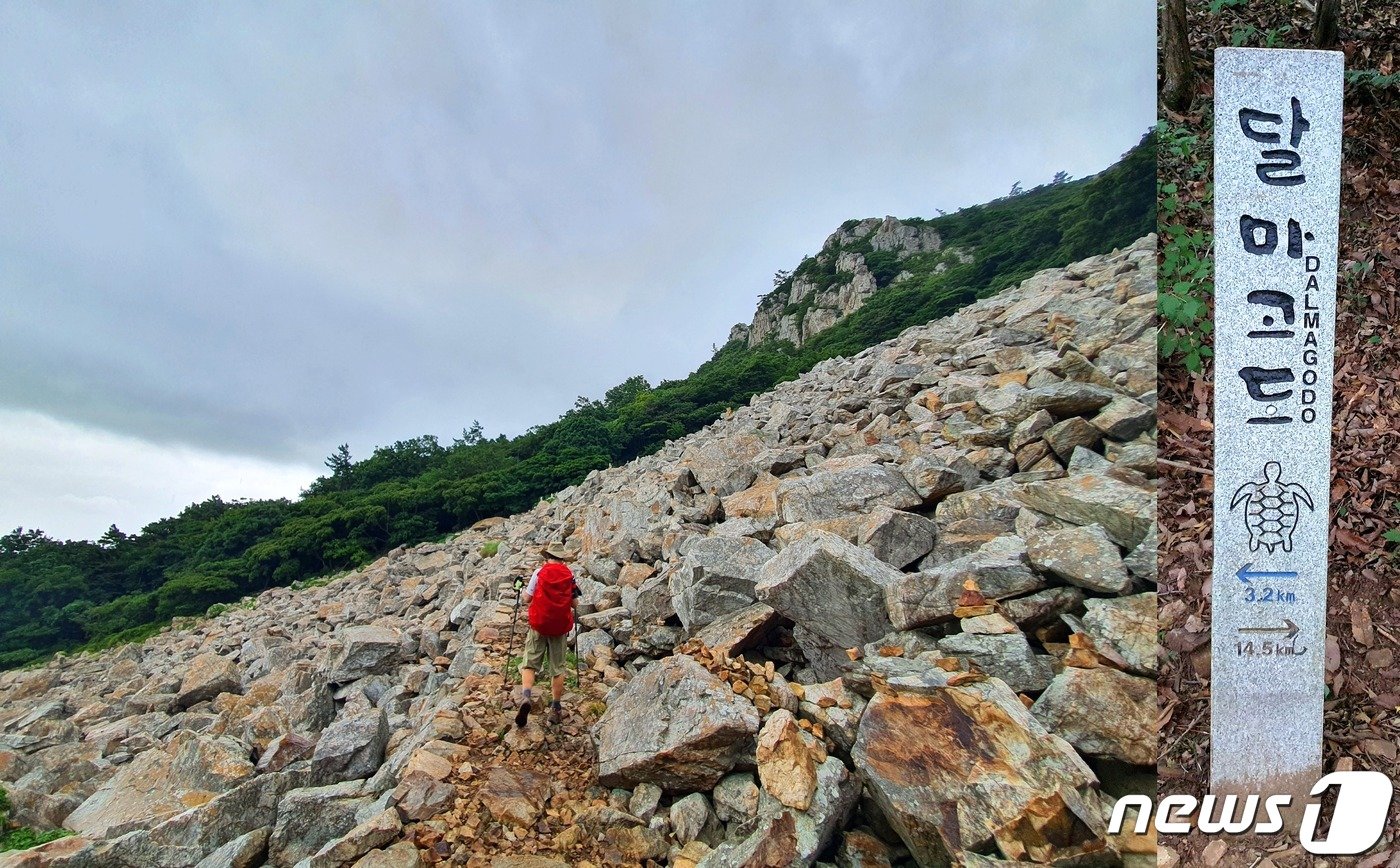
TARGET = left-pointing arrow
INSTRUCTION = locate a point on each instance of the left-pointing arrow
(1247, 572)
(1289, 629)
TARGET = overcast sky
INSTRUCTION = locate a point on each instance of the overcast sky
(233, 236)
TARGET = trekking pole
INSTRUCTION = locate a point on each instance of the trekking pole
(578, 681)
(510, 642)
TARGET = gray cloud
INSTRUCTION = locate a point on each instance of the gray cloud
(265, 230)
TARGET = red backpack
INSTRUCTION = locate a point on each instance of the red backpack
(552, 606)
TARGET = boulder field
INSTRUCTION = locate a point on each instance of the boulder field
(900, 610)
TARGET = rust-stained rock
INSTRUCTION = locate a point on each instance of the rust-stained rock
(419, 796)
(787, 761)
(971, 602)
(757, 501)
(633, 845)
(774, 843)
(285, 750)
(862, 850)
(514, 796)
(949, 766)
(1055, 827)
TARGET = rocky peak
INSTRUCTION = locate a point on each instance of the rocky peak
(855, 261)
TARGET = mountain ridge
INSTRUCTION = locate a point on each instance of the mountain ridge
(57, 595)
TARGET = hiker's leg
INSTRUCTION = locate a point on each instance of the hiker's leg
(556, 687)
(535, 659)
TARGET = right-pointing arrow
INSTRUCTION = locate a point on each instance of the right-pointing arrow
(1289, 629)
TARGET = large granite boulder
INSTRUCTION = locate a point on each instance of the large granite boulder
(717, 578)
(351, 747)
(724, 465)
(673, 724)
(849, 491)
(162, 782)
(368, 650)
(206, 676)
(192, 837)
(833, 590)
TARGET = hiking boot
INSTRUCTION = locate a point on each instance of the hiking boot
(523, 714)
(556, 712)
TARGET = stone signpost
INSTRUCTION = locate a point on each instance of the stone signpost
(1278, 116)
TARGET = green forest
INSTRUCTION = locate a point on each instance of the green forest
(64, 595)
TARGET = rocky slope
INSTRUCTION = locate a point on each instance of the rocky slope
(839, 279)
(897, 611)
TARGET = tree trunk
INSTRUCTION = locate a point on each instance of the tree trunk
(1178, 86)
(1325, 22)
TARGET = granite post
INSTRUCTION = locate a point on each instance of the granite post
(1278, 116)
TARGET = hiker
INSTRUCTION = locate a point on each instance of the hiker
(550, 600)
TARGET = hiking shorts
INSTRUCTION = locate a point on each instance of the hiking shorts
(545, 654)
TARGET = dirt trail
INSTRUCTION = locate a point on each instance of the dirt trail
(518, 789)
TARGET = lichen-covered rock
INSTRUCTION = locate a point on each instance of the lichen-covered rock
(673, 724)
(1125, 512)
(1128, 627)
(1082, 556)
(1007, 656)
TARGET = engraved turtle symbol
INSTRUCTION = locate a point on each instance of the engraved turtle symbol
(1271, 509)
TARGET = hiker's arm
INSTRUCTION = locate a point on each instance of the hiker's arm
(530, 586)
